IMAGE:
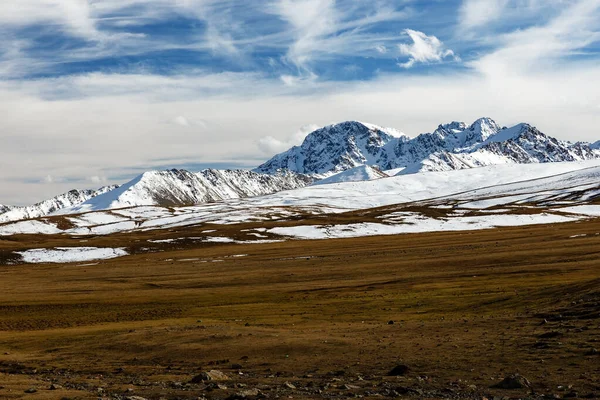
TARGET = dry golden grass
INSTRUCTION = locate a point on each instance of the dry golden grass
(468, 309)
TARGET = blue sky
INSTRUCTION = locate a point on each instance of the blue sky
(95, 91)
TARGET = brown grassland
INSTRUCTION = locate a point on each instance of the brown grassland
(307, 319)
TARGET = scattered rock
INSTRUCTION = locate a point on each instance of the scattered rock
(592, 352)
(349, 387)
(399, 370)
(135, 398)
(214, 386)
(390, 322)
(31, 390)
(55, 386)
(244, 394)
(212, 375)
(289, 385)
(236, 366)
(515, 381)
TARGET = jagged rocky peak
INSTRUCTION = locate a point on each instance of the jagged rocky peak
(484, 128)
(336, 148)
(349, 131)
(455, 145)
(453, 127)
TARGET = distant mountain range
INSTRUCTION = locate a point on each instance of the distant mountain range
(340, 147)
(14, 213)
(349, 151)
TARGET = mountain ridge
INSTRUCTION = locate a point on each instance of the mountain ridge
(336, 148)
(46, 207)
(177, 187)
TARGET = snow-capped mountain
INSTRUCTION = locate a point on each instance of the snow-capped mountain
(521, 144)
(356, 174)
(337, 148)
(183, 188)
(340, 147)
(69, 199)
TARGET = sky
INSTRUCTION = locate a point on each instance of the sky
(94, 92)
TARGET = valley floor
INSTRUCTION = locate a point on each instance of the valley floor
(308, 319)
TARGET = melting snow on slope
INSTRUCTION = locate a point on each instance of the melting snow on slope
(70, 254)
(416, 224)
(28, 227)
(590, 209)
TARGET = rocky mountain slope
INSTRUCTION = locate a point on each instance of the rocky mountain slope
(180, 188)
(69, 199)
(340, 147)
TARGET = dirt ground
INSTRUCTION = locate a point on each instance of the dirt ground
(458, 311)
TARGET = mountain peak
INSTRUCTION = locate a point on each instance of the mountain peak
(335, 148)
(452, 127)
(483, 128)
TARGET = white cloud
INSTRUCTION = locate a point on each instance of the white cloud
(307, 78)
(381, 49)
(475, 13)
(321, 29)
(543, 46)
(98, 180)
(189, 123)
(424, 49)
(270, 145)
(311, 21)
(72, 14)
(181, 121)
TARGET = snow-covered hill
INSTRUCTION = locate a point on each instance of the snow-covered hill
(477, 198)
(356, 174)
(183, 188)
(69, 199)
(340, 147)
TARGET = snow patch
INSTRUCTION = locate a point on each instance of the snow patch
(70, 254)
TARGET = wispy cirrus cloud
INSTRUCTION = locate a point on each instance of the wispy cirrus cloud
(424, 49)
(476, 13)
(328, 28)
(541, 47)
